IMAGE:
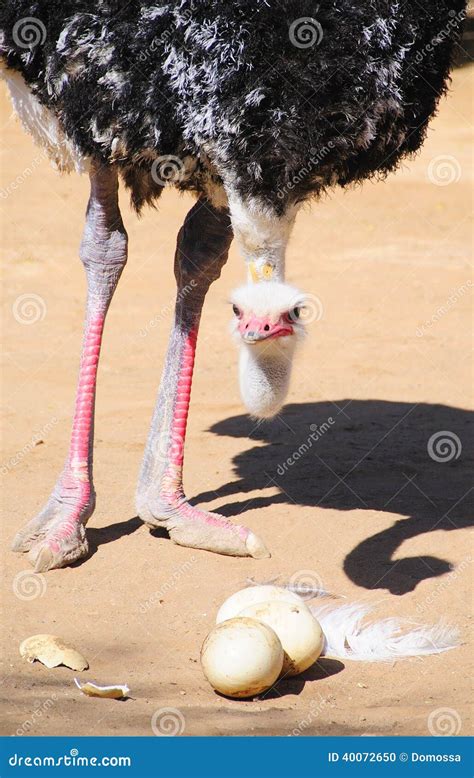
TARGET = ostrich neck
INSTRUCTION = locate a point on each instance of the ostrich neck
(264, 376)
(265, 268)
(262, 237)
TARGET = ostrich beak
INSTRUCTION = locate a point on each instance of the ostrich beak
(255, 328)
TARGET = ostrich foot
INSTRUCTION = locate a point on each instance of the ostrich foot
(195, 528)
(56, 537)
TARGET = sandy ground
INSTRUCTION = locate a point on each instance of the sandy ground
(366, 510)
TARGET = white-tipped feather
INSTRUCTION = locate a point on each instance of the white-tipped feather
(347, 634)
(308, 592)
(43, 125)
(348, 637)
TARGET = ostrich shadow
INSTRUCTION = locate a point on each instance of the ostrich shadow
(364, 454)
(99, 536)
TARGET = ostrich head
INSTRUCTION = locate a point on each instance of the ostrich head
(267, 325)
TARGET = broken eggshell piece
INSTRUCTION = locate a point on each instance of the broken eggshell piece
(115, 692)
(52, 651)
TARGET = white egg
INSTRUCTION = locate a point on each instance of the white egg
(251, 595)
(300, 634)
(241, 657)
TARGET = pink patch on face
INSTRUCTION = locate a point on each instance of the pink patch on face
(261, 327)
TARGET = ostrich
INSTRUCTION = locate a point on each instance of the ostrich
(255, 106)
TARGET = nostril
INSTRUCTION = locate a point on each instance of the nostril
(246, 326)
(267, 327)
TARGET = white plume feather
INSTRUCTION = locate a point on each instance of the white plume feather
(348, 637)
(348, 634)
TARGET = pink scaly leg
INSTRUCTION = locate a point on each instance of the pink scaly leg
(56, 536)
(202, 249)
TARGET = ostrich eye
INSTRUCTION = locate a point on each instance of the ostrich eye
(236, 311)
(295, 313)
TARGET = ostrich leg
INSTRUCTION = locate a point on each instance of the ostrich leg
(203, 243)
(56, 536)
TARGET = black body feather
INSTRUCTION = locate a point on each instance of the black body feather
(278, 107)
